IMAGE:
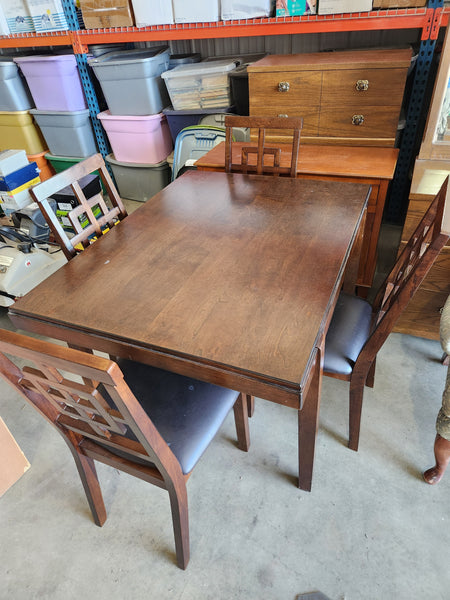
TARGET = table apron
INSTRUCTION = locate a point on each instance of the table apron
(271, 390)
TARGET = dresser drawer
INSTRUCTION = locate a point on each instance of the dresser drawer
(304, 87)
(354, 121)
(310, 116)
(364, 87)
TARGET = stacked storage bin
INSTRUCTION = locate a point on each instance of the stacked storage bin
(134, 123)
(17, 127)
(61, 111)
(197, 90)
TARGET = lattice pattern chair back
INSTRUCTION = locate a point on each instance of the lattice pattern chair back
(74, 389)
(413, 263)
(261, 151)
(97, 224)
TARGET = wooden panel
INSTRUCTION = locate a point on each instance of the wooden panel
(383, 85)
(379, 121)
(422, 315)
(416, 209)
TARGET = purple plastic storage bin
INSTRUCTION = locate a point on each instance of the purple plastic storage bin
(138, 139)
(54, 81)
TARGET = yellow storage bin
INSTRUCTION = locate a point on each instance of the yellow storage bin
(19, 131)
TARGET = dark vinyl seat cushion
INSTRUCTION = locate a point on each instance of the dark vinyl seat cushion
(348, 332)
(186, 412)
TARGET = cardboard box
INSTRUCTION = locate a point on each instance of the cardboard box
(11, 160)
(336, 7)
(47, 15)
(398, 3)
(103, 14)
(18, 178)
(13, 462)
(290, 8)
(17, 16)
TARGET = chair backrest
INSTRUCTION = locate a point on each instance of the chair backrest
(411, 267)
(255, 159)
(84, 396)
(96, 225)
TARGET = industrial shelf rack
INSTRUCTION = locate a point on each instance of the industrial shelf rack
(428, 19)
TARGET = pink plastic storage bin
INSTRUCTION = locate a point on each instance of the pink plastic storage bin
(138, 139)
(54, 81)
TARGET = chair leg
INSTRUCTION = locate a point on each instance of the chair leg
(355, 408)
(370, 380)
(88, 475)
(180, 520)
(241, 421)
(250, 404)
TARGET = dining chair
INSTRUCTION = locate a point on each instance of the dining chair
(147, 422)
(262, 151)
(86, 225)
(358, 329)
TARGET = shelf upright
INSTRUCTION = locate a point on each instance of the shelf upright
(399, 194)
(81, 52)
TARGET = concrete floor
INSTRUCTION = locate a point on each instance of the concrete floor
(371, 529)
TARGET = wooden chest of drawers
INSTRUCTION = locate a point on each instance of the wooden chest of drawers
(350, 97)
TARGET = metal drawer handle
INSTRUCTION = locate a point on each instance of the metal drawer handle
(358, 119)
(284, 116)
(283, 86)
(362, 85)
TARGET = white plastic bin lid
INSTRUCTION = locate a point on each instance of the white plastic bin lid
(200, 69)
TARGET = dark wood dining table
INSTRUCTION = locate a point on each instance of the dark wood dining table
(229, 278)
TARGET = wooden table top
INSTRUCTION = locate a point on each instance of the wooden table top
(339, 161)
(229, 278)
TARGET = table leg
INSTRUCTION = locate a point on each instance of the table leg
(308, 421)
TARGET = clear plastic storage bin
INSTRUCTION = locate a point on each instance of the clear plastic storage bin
(67, 133)
(200, 85)
(131, 80)
(54, 81)
(138, 139)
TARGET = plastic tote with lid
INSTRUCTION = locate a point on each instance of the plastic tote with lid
(14, 92)
(200, 85)
(130, 80)
(138, 139)
(54, 81)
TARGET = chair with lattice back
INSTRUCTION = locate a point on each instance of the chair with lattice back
(86, 225)
(358, 330)
(146, 422)
(261, 158)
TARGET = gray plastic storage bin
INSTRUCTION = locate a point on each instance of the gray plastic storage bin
(131, 82)
(139, 181)
(14, 92)
(67, 133)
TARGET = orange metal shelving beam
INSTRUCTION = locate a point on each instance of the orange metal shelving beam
(362, 21)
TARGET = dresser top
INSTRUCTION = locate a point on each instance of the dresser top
(347, 59)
